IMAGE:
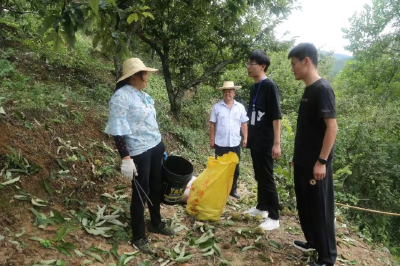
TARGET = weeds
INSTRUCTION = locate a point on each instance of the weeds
(16, 163)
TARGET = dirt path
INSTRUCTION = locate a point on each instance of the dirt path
(271, 248)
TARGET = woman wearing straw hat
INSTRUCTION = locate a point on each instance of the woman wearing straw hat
(228, 117)
(133, 124)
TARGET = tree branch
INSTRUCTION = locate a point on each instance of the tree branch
(219, 48)
(63, 8)
(151, 44)
(133, 29)
(265, 31)
(214, 70)
(222, 64)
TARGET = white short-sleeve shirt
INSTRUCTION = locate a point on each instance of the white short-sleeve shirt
(228, 123)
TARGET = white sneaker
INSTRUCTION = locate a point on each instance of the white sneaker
(254, 212)
(270, 224)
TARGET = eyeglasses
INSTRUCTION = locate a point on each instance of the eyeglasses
(250, 64)
(295, 62)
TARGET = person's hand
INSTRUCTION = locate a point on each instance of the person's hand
(244, 143)
(319, 171)
(212, 144)
(276, 151)
(128, 168)
(291, 162)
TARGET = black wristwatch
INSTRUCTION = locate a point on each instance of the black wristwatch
(322, 161)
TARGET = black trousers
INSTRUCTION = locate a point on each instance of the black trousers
(219, 151)
(150, 179)
(267, 195)
(315, 205)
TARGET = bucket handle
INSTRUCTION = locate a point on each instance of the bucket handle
(138, 185)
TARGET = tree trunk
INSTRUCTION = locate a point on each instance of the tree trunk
(2, 4)
(117, 67)
(118, 49)
(175, 100)
(175, 94)
(175, 105)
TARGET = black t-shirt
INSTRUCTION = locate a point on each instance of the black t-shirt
(317, 103)
(261, 135)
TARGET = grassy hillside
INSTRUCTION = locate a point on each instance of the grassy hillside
(59, 172)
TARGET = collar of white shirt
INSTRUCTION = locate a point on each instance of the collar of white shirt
(223, 103)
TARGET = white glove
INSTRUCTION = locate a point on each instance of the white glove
(128, 168)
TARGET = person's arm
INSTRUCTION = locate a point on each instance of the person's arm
(243, 125)
(326, 106)
(244, 131)
(212, 135)
(274, 110)
(121, 146)
(118, 127)
(329, 140)
(276, 149)
(128, 167)
(213, 120)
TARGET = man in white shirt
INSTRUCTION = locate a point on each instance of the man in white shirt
(227, 118)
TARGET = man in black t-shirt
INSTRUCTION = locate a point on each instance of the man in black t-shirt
(313, 156)
(264, 137)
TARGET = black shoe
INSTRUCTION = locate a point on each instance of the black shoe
(303, 246)
(142, 245)
(234, 194)
(162, 228)
(313, 263)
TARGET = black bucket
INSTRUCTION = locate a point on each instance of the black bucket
(177, 172)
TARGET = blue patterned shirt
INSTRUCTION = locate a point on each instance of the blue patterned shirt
(133, 116)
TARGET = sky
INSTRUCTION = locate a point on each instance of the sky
(320, 22)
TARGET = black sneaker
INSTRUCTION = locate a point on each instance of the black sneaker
(303, 246)
(313, 263)
(142, 245)
(162, 229)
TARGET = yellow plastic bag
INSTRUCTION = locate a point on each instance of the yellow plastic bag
(210, 191)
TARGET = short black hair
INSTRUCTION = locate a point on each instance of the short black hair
(261, 58)
(304, 50)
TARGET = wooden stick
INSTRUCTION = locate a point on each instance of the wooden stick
(367, 210)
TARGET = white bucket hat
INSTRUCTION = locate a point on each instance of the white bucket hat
(133, 66)
(229, 85)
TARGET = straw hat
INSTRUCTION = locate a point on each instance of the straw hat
(229, 85)
(133, 66)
